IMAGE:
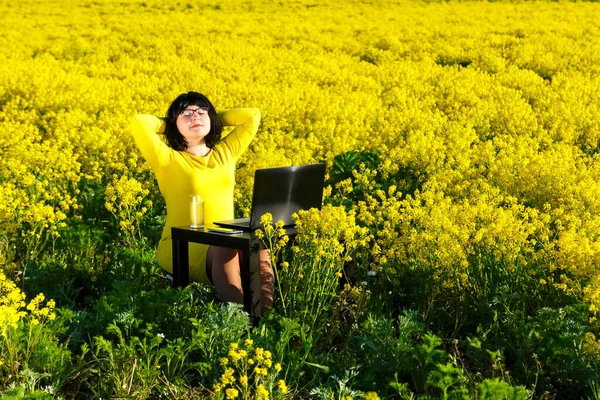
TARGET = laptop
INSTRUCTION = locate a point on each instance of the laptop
(282, 192)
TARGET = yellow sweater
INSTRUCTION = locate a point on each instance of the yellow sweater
(180, 174)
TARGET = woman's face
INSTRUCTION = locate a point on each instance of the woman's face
(193, 123)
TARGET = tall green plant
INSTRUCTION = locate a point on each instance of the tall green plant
(308, 283)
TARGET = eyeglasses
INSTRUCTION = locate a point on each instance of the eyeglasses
(188, 114)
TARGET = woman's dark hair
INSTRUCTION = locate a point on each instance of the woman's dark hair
(174, 138)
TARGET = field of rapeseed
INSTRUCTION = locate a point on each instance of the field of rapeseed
(458, 250)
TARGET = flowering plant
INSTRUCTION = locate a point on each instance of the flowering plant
(308, 282)
(249, 373)
(28, 341)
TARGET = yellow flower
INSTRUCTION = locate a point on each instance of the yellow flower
(260, 371)
(235, 356)
(228, 377)
(217, 387)
(231, 393)
(266, 219)
(281, 386)
(261, 392)
(259, 354)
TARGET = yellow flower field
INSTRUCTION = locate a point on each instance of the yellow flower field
(483, 118)
(494, 107)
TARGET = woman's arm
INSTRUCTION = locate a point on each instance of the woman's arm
(246, 121)
(145, 129)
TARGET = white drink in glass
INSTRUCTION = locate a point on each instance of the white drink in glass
(196, 211)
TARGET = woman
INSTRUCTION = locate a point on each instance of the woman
(194, 160)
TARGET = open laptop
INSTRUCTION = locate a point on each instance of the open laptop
(282, 192)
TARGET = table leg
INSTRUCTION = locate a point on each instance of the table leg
(245, 272)
(181, 263)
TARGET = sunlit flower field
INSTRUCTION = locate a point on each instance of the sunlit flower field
(462, 141)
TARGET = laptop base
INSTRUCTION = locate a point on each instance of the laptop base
(238, 223)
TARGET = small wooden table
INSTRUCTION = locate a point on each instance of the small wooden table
(247, 242)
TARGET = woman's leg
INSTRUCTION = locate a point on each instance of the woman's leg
(223, 267)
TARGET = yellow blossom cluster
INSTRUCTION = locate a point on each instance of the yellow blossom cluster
(328, 234)
(273, 235)
(592, 345)
(39, 313)
(433, 229)
(126, 200)
(249, 373)
(12, 302)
